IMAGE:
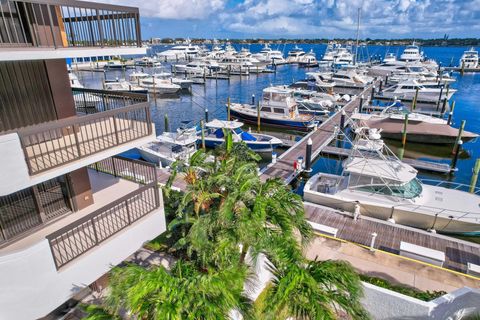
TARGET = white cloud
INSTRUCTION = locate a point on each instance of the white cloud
(174, 9)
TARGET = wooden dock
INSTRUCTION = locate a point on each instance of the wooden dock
(417, 164)
(321, 137)
(457, 252)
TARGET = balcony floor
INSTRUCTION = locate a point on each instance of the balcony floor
(105, 188)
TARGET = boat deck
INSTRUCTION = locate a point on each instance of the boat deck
(457, 252)
(321, 137)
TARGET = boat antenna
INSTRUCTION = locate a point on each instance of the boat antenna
(358, 31)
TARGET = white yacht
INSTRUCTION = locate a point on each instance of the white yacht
(147, 62)
(329, 55)
(198, 67)
(160, 86)
(268, 55)
(407, 90)
(383, 187)
(74, 82)
(469, 59)
(170, 147)
(180, 52)
(295, 54)
(183, 83)
(308, 58)
(237, 63)
(349, 78)
(123, 86)
(411, 53)
(322, 80)
(389, 57)
(343, 56)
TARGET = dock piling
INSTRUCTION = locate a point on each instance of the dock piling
(360, 105)
(372, 95)
(476, 170)
(372, 242)
(202, 128)
(258, 117)
(380, 86)
(253, 99)
(439, 98)
(308, 156)
(206, 114)
(166, 124)
(462, 70)
(450, 115)
(444, 106)
(459, 137)
(228, 108)
(342, 120)
(457, 148)
(415, 98)
(404, 132)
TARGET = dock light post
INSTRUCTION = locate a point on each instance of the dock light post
(253, 99)
(167, 126)
(308, 156)
(342, 120)
(473, 182)
(274, 157)
(206, 114)
(372, 242)
(450, 115)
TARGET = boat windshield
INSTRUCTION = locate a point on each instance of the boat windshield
(409, 190)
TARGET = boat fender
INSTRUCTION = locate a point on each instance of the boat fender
(356, 211)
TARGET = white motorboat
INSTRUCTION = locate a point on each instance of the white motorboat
(383, 187)
(114, 64)
(412, 53)
(469, 59)
(389, 57)
(407, 90)
(343, 56)
(147, 62)
(180, 52)
(278, 108)
(183, 83)
(308, 58)
(170, 147)
(268, 55)
(214, 136)
(237, 63)
(74, 82)
(349, 78)
(295, 55)
(160, 86)
(123, 86)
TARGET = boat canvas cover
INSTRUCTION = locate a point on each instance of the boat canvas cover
(392, 170)
(220, 124)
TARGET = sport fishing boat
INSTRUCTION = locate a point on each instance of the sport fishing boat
(123, 86)
(421, 128)
(383, 187)
(469, 59)
(183, 83)
(147, 62)
(160, 86)
(308, 59)
(269, 55)
(389, 57)
(278, 108)
(170, 147)
(214, 136)
(180, 52)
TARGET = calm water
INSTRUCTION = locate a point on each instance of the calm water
(213, 96)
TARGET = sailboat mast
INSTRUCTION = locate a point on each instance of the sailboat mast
(358, 31)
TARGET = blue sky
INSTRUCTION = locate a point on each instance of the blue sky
(307, 18)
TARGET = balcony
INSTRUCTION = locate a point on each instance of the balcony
(109, 123)
(52, 263)
(47, 29)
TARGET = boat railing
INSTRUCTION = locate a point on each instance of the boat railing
(440, 212)
(451, 185)
(68, 23)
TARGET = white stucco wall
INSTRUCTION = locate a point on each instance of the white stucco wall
(383, 304)
(31, 287)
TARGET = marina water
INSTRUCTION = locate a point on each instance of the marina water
(190, 107)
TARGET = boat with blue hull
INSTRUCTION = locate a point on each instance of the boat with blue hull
(277, 109)
(215, 135)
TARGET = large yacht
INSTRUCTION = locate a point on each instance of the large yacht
(269, 55)
(308, 58)
(278, 108)
(383, 187)
(180, 52)
(295, 54)
(469, 59)
(412, 53)
(343, 56)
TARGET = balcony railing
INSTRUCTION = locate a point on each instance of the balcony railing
(75, 239)
(56, 143)
(67, 23)
(88, 101)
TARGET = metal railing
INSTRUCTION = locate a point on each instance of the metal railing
(88, 101)
(56, 143)
(129, 169)
(67, 23)
(77, 238)
(450, 185)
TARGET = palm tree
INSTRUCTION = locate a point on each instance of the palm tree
(184, 292)
(314, 290)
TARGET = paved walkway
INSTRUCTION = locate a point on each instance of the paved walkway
(389, 266)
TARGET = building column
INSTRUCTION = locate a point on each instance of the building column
(80, 188)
